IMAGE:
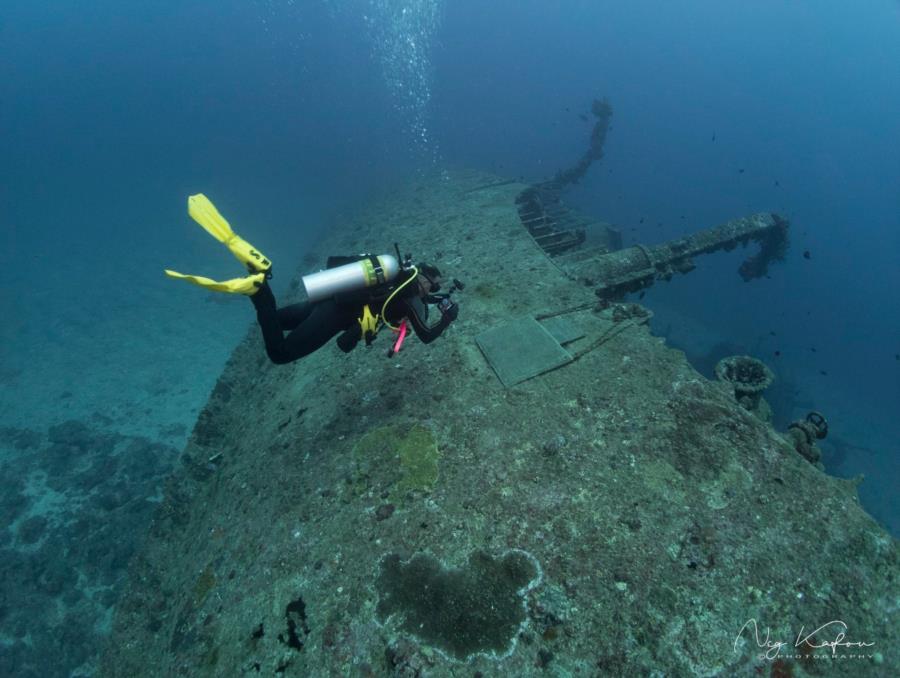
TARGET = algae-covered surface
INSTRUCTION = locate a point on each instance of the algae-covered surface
(398, 462)
(353, 515)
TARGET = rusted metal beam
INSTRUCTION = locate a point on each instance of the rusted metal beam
(635, 268)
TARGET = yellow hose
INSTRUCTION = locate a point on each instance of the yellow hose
(393, 294)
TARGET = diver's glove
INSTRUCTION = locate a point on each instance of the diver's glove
(449, 309)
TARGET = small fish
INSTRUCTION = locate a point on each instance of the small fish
(806, 254)
(741, 170)
(583, 117)
(812, 348)
(897, 356)
(659, 223)
(772, 332)
(681, 217)
(776, 183)
(642, 220)
(567, 109)
(714, 136)
(777, 353)
(641, 295)
(823, 373)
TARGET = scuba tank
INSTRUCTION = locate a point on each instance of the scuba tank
(368, 271)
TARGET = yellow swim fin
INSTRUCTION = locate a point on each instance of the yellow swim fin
(205, 213)
(248, 285)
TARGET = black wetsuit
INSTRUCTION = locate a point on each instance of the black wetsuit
(310, 325)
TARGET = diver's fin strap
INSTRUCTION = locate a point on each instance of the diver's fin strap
(248, 285)
(205, 213)
(369, 324)
(247, 254)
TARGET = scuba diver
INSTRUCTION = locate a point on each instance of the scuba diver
(339, 300)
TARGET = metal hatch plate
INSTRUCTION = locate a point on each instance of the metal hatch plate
(562, 329)
(520, 350)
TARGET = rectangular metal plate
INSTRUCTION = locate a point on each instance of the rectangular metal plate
(520, 350)
(562, 330)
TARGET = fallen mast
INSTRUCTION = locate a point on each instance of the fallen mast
(615, 274)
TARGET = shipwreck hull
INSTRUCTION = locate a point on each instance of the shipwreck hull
(613, 514)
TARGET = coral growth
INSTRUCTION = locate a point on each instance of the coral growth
(474, 609)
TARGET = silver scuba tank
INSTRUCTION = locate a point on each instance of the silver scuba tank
(367, 272)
